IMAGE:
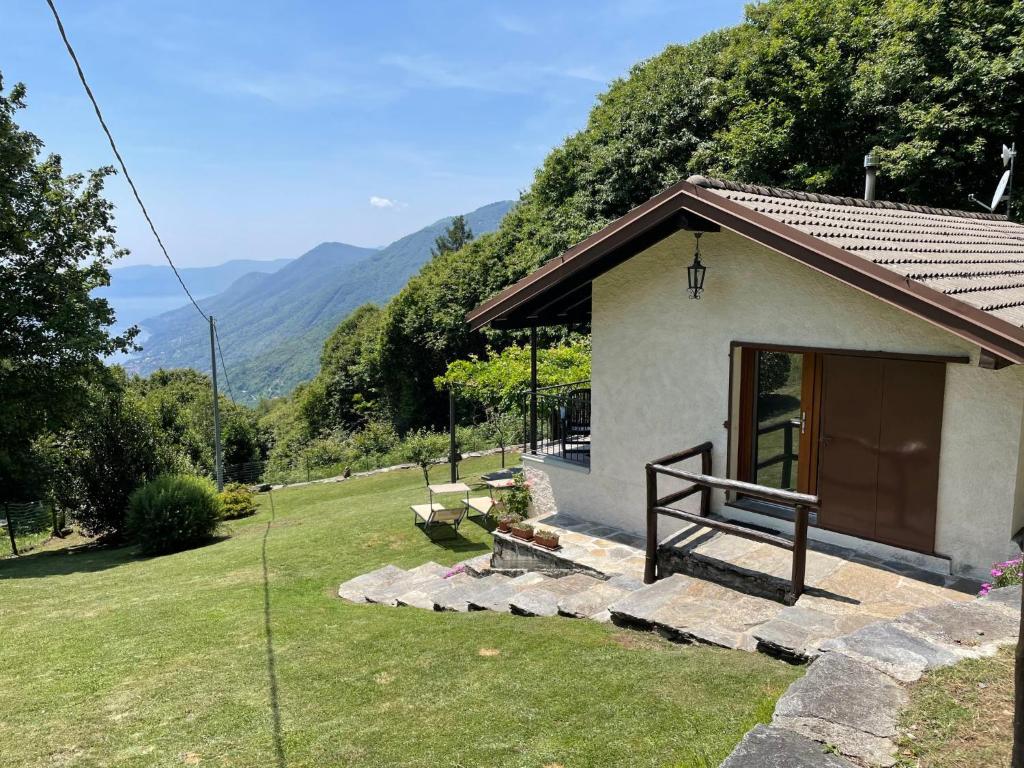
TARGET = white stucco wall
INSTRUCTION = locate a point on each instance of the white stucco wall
(661, 373)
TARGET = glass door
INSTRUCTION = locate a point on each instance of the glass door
(778, 418)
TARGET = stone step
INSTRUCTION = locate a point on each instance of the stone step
(685, 609)
(594, 602)
(477, 566)
(543, 599)
(497, 595)
(426, 593)
(459, 599)
(796, 633)
(387, 594)
(354, 590)
(889, 648)
(637, 608)
(766, 746)
(846, 704)
(973, 628)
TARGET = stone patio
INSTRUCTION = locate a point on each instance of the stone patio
(869, 626)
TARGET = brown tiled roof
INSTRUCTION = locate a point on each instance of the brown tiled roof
(961, 270)
(977, 258)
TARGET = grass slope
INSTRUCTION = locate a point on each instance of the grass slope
(239, 654)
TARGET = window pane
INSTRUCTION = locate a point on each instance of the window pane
(777, 415)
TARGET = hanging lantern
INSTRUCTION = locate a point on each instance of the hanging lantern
(695, 272)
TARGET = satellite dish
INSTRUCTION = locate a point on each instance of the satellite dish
(997, 198)
(1008, 154)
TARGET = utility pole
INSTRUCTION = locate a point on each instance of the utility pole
(218, 467)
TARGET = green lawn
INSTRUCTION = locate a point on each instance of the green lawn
(239, 654)
(961, 716)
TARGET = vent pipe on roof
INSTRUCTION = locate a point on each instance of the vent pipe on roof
(871, 166)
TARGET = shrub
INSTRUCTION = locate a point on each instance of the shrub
(324, 452)
(236, 500)
(375, 438)
(173, 512)
(1004, 574)
(518, 497)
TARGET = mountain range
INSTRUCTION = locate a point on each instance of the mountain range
(272, 325)
(141, 291)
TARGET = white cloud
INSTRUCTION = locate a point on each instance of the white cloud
(381, 202)
(515, 24)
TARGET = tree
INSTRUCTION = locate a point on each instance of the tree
(497, 384)
(113, 447)
(454, 238)
(56, 243)
(499, 380)
(423, 448)
(345, 391)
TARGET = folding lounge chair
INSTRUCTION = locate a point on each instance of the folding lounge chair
(435, 513)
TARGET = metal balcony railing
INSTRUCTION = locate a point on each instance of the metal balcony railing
(556, 422)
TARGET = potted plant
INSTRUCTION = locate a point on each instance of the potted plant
(518, 497)
(522, 531)
(546, 539)
(505, 522)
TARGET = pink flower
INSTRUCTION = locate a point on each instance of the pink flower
(985, 588)
(996, 573)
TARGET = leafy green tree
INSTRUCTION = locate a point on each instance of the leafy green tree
(424, 448)
(454, 238)
(499, 380)
(497, 384)
(344, 392)
(56, 243)
(181, 402)
(113, 447)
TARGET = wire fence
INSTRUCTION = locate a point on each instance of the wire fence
(27, 523)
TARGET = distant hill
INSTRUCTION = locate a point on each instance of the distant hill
(273, 325)
(141, 291)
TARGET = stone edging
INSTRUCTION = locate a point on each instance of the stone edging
(853, 694)
(383, 470)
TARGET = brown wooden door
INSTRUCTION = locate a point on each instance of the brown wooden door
(848, 451)
(881, 421)
(908, 451)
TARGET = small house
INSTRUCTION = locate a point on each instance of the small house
(867, 354)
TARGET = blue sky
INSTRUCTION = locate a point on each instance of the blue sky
(258, 129)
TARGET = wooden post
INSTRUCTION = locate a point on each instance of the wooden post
(533, 389)
(651, 563)
(1017, 755)
(799, 554)
(705, 491)
(451, 436)
(10, 528)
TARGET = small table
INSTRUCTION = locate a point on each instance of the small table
(488, 506)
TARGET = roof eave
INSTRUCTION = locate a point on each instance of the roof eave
(972, 324)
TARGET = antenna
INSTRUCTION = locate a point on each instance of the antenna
(1004, 189)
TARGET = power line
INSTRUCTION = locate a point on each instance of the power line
(223, 365)
(117, 154)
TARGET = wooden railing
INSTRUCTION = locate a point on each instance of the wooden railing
(703, 482)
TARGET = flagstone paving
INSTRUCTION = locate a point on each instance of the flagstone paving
(867, 627)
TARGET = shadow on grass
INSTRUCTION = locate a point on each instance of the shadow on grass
(82, 558)
(275, 707)
(85, 558)
(454, 541)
